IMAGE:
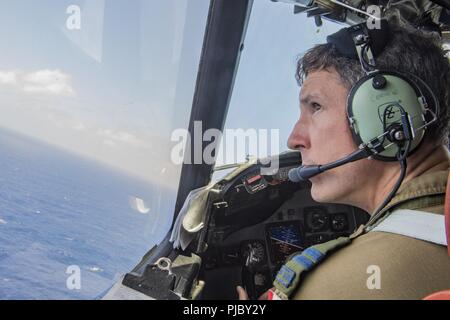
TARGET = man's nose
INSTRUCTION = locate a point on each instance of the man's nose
(298, 138)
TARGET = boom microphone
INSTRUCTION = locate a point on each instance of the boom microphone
(304, 173)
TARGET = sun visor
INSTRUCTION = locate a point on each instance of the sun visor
(191, 218)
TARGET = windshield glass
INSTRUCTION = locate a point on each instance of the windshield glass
(265, 102)
(90, 94)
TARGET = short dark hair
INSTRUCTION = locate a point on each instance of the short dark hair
(408, 51)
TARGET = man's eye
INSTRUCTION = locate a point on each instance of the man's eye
(315, 106)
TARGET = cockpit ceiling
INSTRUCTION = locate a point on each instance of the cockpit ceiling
(430, 15)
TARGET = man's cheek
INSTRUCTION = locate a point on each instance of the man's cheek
(320, 186)
(326, 186)
(319, 192)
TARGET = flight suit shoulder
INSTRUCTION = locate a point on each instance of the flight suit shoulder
(379, 265)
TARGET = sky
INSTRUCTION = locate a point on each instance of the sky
(109, 90)
(266, 94)
(116, 88)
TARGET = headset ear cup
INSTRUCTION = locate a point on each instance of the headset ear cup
(374, 106)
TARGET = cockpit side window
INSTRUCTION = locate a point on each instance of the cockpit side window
(90, 92)
(264, 105)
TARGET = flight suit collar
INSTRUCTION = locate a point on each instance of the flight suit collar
(421, 193)
(424, 191)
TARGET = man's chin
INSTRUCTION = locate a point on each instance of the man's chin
(322, 193)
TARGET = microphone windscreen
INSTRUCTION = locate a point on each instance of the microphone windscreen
(294, 175)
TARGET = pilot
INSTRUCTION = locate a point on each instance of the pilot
(338, 102)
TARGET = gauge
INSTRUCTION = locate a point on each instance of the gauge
(259, 279)
(317, 238)
(253, 252)
(317, 219)
(262, 281)
(339, 222)
(284, 238)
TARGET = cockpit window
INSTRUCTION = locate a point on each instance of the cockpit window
(90, 93)
(264, 104)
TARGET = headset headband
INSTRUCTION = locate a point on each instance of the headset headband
(344, 42)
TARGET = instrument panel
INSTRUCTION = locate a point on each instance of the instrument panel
(284, 233)
(284, 239)
(260, 250)
(260, 221)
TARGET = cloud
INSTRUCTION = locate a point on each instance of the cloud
(8, 77)
(79, 126)
(113, 137)
(109, 143)
(52, 82)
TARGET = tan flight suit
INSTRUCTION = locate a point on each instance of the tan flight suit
(408, 268)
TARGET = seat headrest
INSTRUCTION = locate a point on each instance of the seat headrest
(447, 213)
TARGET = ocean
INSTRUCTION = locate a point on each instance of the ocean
(59, 210)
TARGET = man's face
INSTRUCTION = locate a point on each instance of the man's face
(322, 134)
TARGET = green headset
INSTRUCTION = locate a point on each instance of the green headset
(387, 109)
